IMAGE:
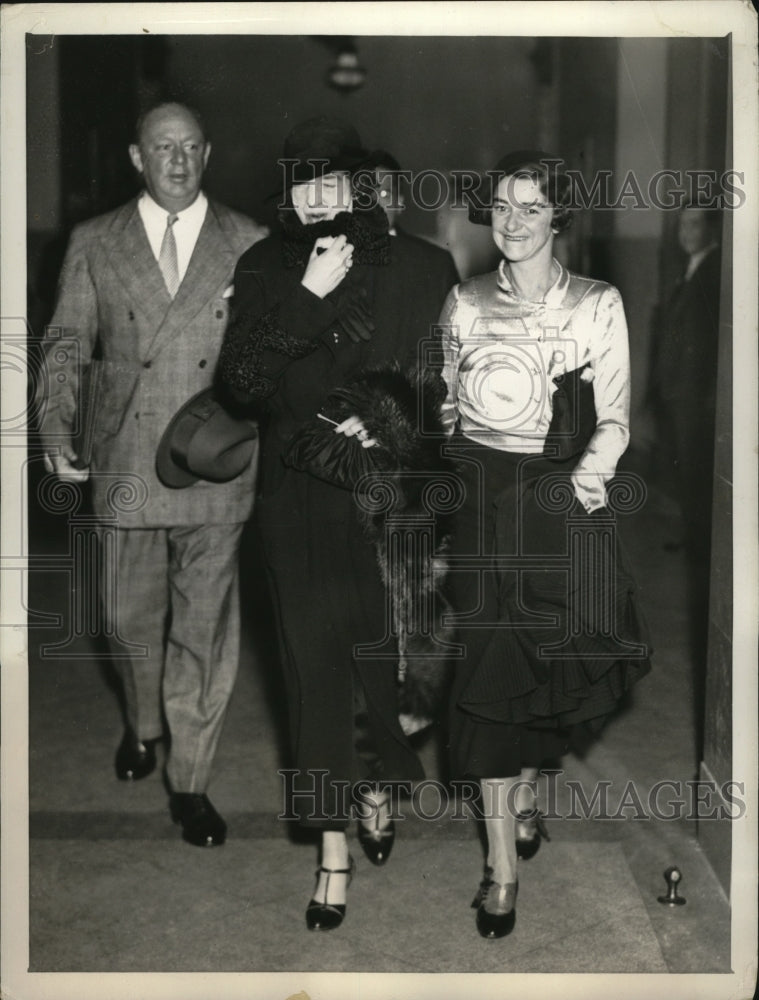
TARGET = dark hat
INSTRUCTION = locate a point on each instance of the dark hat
(381, 158)
(204, 441)
(317, 147)
(481, 199)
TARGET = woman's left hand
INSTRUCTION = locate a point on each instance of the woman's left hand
(354, 427)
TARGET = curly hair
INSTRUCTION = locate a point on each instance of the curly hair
(542, 168)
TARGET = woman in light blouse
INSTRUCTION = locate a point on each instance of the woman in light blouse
(537, 367)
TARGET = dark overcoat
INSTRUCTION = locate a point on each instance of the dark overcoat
(685, 391)
(285, 351)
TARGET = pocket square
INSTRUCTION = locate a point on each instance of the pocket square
(229, 292)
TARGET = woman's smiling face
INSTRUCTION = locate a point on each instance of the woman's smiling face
(521, 219)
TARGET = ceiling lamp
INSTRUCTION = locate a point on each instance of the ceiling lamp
(346, 73)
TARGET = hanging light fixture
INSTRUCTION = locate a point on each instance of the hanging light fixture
(346, 73)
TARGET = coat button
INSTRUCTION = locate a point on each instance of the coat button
(131, 314)
(219, 314)
(148, 364)
(202, 364)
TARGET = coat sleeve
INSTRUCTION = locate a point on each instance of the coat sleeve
(271, 327)
(71, 338)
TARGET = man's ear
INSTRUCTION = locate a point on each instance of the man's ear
(206, 154)
(136, 157)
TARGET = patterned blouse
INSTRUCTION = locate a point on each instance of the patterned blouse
(502, 354)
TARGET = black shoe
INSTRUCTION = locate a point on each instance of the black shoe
(377, 842)
(496, 907)
(533, 831)
(135, 758)
(201, 824)
(326, 916)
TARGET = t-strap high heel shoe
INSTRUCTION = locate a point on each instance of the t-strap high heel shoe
(496, 906)
(531, 829)
(377, 841)
(326, 916)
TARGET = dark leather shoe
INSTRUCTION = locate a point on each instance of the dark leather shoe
(327, 916)
(201, 824)
(530, 831)
(377, 842)
(496, 907)
(135, 758)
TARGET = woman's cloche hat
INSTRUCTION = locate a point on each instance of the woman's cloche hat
(318, 147)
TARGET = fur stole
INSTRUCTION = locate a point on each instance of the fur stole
(406, 491)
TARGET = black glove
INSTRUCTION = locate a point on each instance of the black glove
(353, 315)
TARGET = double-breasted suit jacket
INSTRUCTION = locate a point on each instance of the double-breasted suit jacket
(153, 353)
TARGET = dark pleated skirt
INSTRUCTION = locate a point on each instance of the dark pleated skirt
(548, 617)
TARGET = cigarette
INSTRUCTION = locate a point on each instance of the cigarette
(322, 417)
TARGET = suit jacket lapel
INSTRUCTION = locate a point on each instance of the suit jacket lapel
(128, 249)
(213, 258)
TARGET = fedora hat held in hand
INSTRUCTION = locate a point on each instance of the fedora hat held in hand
(204, 441)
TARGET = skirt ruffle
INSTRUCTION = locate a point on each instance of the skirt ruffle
(558, 640)
(521, 679)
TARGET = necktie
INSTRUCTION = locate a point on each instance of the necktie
(167, 260)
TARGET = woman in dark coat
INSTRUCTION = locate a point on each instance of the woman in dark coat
(314, 305)
(538, 376)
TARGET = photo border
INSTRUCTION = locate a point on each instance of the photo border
(581, 19)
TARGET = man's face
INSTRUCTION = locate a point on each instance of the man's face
(693, 232)
(171, 155)
(323, 198)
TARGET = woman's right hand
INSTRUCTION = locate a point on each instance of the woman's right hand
(330, 261)
(355, 426)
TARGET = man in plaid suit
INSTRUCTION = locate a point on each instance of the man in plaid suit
(144, 295)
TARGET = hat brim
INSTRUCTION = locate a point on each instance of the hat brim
(169, 472)
(172, 465)
(319, 166)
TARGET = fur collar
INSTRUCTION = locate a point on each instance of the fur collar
(366, 230)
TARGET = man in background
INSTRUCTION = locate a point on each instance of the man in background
(685, 375)
(143, 297)
(389, 188)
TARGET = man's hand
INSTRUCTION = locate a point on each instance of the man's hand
(63, 465)
(330, 261)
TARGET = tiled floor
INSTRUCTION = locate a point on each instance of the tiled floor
(114, 889)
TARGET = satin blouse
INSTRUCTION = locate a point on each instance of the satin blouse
(502, 353)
